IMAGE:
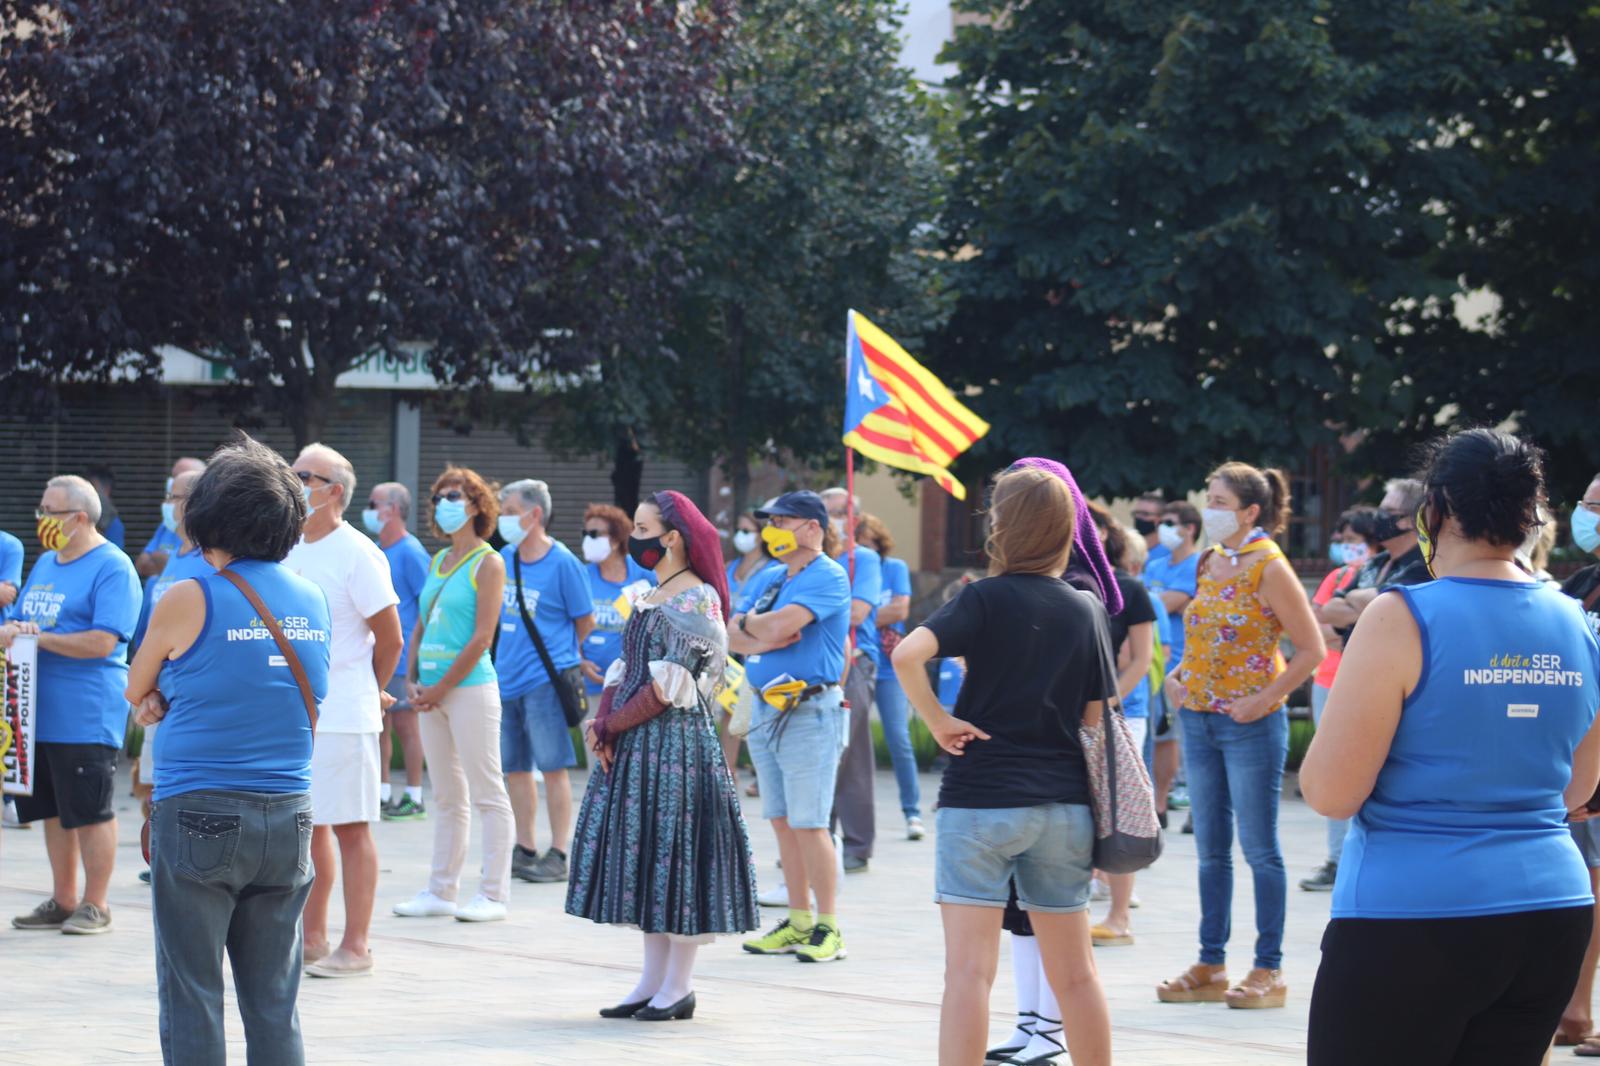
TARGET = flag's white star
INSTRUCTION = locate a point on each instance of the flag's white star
(865, 383)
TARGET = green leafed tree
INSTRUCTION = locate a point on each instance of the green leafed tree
(1188, 231)
(818, 208)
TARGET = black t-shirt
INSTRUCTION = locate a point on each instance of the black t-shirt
(1581, 586)
(1136, 610)
(1034, 653)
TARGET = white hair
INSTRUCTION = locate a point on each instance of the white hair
(532, 492)
(188, 464)
(344, 475)
(80, 494)
(398, 496)
(855, 501)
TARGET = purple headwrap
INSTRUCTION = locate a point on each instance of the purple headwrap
(1089, 554)
(700, 538)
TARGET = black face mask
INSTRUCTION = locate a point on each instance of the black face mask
(1387, 526)
(646, 551)
(1145, 526)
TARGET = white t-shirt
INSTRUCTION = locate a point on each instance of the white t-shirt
(352, 572)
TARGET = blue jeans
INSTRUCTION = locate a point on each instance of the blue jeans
(895, 713)
(1337, 827)
(1237, 771)
(534, 733)
(1047, 852)
(230, 870)
(796, 756)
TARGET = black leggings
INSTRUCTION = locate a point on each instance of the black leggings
(1445, 991)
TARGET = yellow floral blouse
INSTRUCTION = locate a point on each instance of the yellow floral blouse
(1231, 635)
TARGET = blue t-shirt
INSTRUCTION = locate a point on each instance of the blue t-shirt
(604, 644)
(1163, 575)
(235, 717)
(822, 588)
(162, 540)
(180, 565)
(896, 582)
(408, 569)
(951, 675)
(866, 585)
(556, 591)
(80, 700)
(10, 570)
(1467, 815)
(1137, 705)
(116, 532)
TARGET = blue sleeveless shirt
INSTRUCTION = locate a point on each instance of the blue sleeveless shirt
(1467, 816)
(235, 719)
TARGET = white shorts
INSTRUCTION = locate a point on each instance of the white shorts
(344, 778)
(1138, 726)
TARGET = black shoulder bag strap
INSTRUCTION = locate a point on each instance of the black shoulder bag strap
(563, 690)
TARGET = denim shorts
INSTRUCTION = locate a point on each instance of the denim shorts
(533, 732)
(796, 756)
(1048, 849)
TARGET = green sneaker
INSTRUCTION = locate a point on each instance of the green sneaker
(825, 945)
(784, 939)
(404, 809)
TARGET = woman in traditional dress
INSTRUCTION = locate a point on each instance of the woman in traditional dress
(660, 843)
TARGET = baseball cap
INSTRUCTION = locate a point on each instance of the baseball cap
(802, 504)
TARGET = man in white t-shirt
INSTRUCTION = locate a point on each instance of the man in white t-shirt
(346, 765)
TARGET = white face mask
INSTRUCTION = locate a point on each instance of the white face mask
(745, 540)
(511, 530)
(596, 549)
(1169, 537)
(1219, 524)
(370, 519)
(838, 526)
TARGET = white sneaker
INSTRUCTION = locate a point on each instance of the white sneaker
(1133, 901)
(482, 909)
(1099, 890)
(425, 905)
(838, 851)
(776, 896)
(914, 828)
(10, 818)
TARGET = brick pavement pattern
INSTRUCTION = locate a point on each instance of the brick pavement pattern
(526, 990)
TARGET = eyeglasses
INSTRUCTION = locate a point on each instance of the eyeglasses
(453, 495)
(45, 512)
(1590, 505)
(597, 534)
(173, 497)
(305, 477)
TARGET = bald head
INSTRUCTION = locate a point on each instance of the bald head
(394, 495)
(330, 468)
(188, 465)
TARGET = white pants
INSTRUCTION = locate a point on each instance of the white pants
(461, 741)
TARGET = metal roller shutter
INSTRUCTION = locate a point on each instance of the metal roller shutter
(139, 434)
(574, 482)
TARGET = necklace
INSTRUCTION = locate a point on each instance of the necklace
(667, 582)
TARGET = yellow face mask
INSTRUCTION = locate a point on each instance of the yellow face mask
(784, 695)
(52, 533)
(779, 542)
(1425, 539)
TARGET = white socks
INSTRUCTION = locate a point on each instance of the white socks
(679, 980)
(415, 792)
(385, 791)
(657, 949)
(1047, 1038)
(1025, 968)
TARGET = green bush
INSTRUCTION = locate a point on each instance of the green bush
(922, 744)
(1300, 733)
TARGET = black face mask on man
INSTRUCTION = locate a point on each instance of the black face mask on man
(1144, 526)
(1388, 527)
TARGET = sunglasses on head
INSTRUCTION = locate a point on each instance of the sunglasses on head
(452, 495)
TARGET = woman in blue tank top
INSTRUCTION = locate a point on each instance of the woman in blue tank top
(1459, 733)
(230, 829)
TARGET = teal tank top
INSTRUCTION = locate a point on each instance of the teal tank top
(451, 600)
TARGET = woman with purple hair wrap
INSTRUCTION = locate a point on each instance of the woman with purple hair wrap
(660, 844)
(1088, 569)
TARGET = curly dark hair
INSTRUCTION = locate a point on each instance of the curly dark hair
(248, 503)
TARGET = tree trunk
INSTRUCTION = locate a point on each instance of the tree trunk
(738, 467)
(627, 471)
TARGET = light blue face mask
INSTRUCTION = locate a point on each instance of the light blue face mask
(1336, 552)
(511, 530)
(169, 516)
(370, 519)
(1585, 528)
(450, 515)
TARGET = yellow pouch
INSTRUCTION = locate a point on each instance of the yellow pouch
(732, 685)
(783, 695)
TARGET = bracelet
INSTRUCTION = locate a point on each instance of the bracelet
(744, 626)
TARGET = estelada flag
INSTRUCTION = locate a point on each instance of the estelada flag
(898, 413)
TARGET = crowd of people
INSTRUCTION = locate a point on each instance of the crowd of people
(276, 656)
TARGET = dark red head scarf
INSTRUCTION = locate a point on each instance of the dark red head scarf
(700, 538)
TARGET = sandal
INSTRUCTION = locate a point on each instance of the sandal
(1198, 984)
(1106, 937)
(1589, 1048)
(1260, 989)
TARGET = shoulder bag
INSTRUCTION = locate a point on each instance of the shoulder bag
(569, 683)
(1127, 834)
(289, 656)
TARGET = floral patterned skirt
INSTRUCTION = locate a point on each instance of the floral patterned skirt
(660, 843)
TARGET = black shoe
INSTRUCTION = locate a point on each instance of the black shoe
(1161, 816)
(624, 1010)
(523, 862)
(855, 864)
(682, 1010)
(1188, 825)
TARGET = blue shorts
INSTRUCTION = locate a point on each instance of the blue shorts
(796, 756)
(1048, 849)
(533, 732)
